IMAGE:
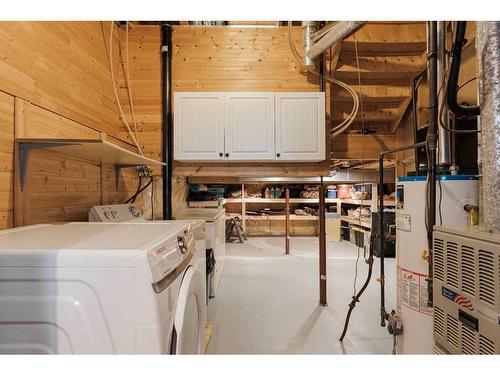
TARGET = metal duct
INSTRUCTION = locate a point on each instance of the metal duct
(338, 32)
(488, 52)
(444, 150)
(308, 28)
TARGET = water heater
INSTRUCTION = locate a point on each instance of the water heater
(452, 194)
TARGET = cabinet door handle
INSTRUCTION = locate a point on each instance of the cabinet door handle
(221, 154)
(278, 155)
(227, 154)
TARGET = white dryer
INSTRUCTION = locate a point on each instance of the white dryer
(102, 288)
(184, 321)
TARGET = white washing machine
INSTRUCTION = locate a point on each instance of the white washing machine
(216, 238)
(129, 213)
(102, 288)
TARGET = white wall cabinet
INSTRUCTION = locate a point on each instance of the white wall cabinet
(246, 126)
(249, 126)
(199, 126)
(300, 126)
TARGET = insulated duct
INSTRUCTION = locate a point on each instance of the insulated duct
(488, 52)
(308, 28)
(337, 32)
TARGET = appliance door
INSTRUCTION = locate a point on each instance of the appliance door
(189, 323)
(217, 232)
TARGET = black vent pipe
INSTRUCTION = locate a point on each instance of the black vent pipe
(452, 89)
(167, 123)
(432, 79)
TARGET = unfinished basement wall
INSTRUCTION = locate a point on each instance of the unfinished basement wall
(55, 83)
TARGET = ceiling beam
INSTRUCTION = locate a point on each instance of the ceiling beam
(403, 108)
(384, 48)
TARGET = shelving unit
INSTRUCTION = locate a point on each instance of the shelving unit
(240, 207)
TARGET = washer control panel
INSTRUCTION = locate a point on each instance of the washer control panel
(115, 213)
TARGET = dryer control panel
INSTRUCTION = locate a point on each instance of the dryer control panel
(115, 213)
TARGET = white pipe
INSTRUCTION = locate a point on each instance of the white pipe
(308, 28)
(338, 32)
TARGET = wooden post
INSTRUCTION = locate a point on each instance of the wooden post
(21, 214)
(322, 246)
(243, 209)
(287, 221)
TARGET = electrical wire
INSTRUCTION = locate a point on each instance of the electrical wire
(134, 197)
(440, 202)
(129, 86)
(356, 271)
(465, 83)
(120, 109)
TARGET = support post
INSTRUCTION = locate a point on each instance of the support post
(287, 221)
(322, 246)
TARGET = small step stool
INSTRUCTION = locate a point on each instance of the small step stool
(234, 225)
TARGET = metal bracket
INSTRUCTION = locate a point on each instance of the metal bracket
(24, 150)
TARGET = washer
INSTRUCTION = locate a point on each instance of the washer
(129, 213)
(102, 288)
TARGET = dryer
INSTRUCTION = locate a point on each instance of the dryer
(129, 213)
(102, 288)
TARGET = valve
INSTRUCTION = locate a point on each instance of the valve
(425, 255)
(395, 328)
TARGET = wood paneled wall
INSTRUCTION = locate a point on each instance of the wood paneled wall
(55, 81)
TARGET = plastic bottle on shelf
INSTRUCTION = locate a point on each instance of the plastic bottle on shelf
(267, 193)
(273, 193)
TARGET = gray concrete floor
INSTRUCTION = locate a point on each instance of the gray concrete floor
(267, 302)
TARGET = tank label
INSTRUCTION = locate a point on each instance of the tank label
(403, 222)
(413, 291)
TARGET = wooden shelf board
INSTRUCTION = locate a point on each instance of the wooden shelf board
(97, 150)
(278, 200)
(364, 223)
(293, 217)
(361, 202)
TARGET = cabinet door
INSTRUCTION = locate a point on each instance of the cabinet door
(300, 126)
(249, 126)
(198, 125)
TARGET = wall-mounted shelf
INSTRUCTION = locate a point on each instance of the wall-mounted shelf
(96, 150)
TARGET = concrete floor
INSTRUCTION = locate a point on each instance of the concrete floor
(267, 302)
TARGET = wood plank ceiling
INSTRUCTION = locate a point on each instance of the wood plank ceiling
(389, 56)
